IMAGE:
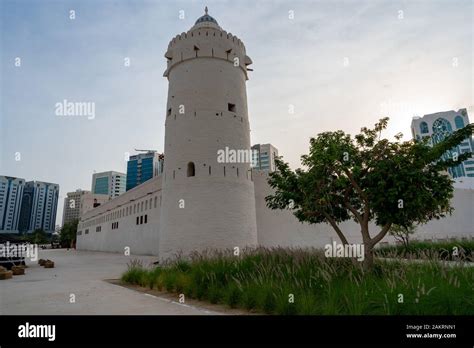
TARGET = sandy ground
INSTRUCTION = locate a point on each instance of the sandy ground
(84, 275)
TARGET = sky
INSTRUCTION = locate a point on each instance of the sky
(318, 66)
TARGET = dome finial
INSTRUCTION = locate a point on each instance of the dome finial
(205, 9)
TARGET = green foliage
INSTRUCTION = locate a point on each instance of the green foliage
(67, 235)
(450, 251)
(402, 233)
(37, 237)
(366, 178)
(262, 279)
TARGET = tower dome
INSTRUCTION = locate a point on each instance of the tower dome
(206, 18)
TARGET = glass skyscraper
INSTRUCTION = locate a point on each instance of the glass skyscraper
(39, 207)
(263, 157)
(109, 183)
(11, 194)
(143, 167)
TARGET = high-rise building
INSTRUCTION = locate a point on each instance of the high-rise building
(263, 157)
(79, 202)
(39, 207)
(11, 194)
(143, 167)
(109, 183)
(438, 126)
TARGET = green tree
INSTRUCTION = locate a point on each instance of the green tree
(402, 233)
(38, 236)
(67, 236)
(366, 178)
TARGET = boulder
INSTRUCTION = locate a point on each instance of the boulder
(18, 270)
(49, 264)
(6, 275)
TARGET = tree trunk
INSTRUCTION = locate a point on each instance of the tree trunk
(368, 262)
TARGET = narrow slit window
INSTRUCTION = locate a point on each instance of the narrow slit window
(191, 169)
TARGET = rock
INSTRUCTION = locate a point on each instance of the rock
(49, 264)
(6, 275)
(18, 270)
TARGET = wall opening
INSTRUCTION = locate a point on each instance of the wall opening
(191, 169)
(231, 107)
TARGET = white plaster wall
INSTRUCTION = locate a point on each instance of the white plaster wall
(282, 228)
(142, 239)
(219, 205)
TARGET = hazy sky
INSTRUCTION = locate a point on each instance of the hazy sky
(340, 64)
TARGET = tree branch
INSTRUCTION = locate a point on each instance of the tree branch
(381, 234)
(365, 220)
(336, 228)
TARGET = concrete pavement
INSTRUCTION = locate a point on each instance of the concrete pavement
(81, 275)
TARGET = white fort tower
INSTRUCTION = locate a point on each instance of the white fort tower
(205, 203)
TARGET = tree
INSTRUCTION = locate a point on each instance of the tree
(38, 236)
(402, 233)
(68, 232)
(366, 178)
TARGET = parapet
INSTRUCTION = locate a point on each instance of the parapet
(205, 41)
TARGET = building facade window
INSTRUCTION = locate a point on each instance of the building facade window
(459, 122)
(424, 128)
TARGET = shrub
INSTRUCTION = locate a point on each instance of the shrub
(261, 280)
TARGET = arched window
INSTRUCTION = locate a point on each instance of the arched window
(423, 127)
(191, 169)
(441, 129)
(459, 122)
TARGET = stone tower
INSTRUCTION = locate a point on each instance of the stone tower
(206, 203)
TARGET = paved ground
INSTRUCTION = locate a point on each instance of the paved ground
(82, 273)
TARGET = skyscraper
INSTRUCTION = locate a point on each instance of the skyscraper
(109, 183)
(11, 194)
(263, 157)
(439, 125)
(143, 167)
(39, 207)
